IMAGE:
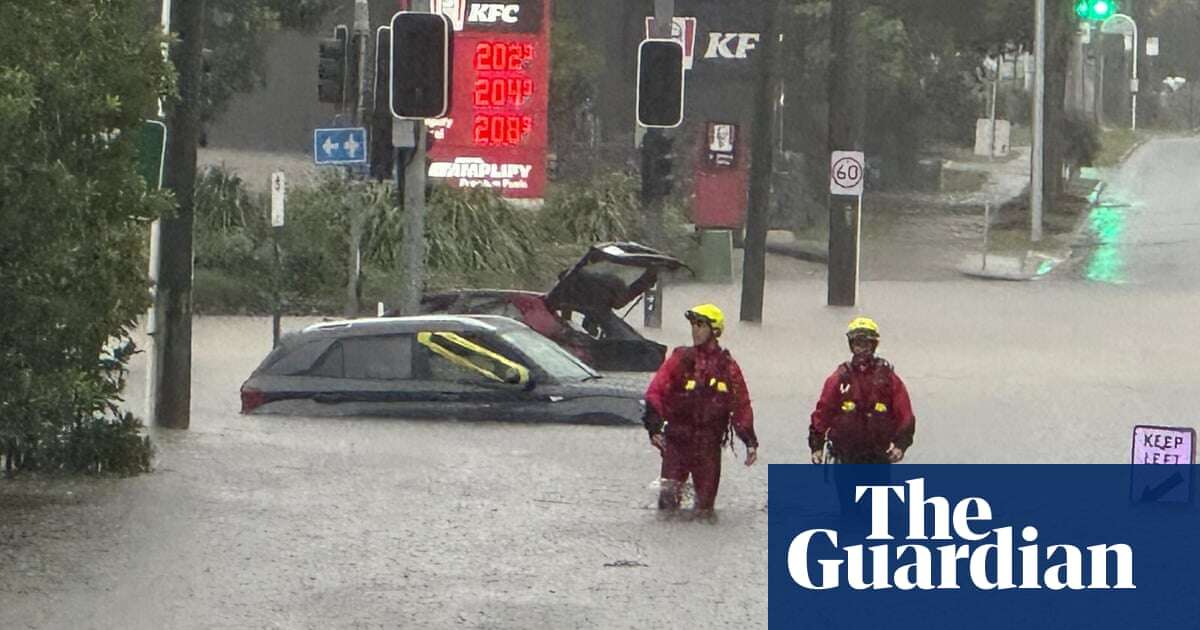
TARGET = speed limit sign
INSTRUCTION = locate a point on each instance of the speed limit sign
(846, 173)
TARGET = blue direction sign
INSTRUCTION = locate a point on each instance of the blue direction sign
(340, 146)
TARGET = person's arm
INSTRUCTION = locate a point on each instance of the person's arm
(906, 422)
(743, 412)
(822, 417)
(656, 394)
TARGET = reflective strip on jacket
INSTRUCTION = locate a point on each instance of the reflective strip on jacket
(863, 411)
(700, 392)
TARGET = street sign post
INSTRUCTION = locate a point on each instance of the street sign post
(346, 145)
(1165, 456)
(846, 172)
(152, 152)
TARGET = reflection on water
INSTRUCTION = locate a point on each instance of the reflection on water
(1106, 263)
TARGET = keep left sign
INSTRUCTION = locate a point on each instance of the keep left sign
(1156, 483)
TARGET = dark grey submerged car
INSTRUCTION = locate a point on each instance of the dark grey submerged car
(475, 367)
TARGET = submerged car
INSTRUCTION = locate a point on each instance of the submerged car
(460, 367)
(578, 313)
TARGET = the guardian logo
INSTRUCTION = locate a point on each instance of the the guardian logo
(976, 554)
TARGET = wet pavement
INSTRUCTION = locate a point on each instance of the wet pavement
(1146, 227)
(292, 522)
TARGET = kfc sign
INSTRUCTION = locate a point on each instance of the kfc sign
(730, 45)
(516, 16)
(494, 13)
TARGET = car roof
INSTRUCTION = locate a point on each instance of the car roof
(413, 324)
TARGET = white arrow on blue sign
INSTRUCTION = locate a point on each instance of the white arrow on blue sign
(346, 145)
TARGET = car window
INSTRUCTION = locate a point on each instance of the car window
(456, 358)
(330, 364)
(295, 359)
(377, 358)
(549, 356)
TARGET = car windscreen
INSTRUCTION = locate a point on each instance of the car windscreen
(556, 362)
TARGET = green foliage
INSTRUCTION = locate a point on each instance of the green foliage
(237, 268)
(474, 229)
(605, 209)
(74, 89)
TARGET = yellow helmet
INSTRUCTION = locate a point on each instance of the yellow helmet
(862, 327)
(708, 313)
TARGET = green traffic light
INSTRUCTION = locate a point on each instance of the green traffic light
(1095, 9)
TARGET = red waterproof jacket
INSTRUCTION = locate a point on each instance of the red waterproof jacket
(864, 410)
(700, 392)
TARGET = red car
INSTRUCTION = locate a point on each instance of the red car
(578, 313)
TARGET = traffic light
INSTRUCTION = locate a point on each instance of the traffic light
(420, 76)
(332, 65)
(1095, 9)
(381, 116)
(660, 83)
(658, 163)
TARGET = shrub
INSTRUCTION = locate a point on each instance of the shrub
(605, 209)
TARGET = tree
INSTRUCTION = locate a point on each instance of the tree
(74, 90)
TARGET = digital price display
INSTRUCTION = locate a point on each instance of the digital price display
(495, 134)
(502, 89)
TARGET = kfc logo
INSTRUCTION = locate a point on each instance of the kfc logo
(494, 13)
(730, 45)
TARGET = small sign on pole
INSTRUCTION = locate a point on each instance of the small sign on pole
(1151, 46)
(1168, 453)
(846, 169)
(278, 195)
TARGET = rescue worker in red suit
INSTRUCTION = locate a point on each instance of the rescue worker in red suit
(696, 399)
(864, 413)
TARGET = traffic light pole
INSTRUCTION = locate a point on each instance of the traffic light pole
(664, 15)
(410, 192)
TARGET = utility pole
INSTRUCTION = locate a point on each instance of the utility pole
(173, 297)
(845, 94)
(408, 136)
(1039, 121)
(754, 267)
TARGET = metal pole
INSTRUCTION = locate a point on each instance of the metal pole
(664, 15)
(987, 227)
(152, 363)
(1039, 121)
(992, 114)
(362, 30)
(1133, 82)
(277, 306)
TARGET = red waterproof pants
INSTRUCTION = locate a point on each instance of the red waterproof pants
(701, 461)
